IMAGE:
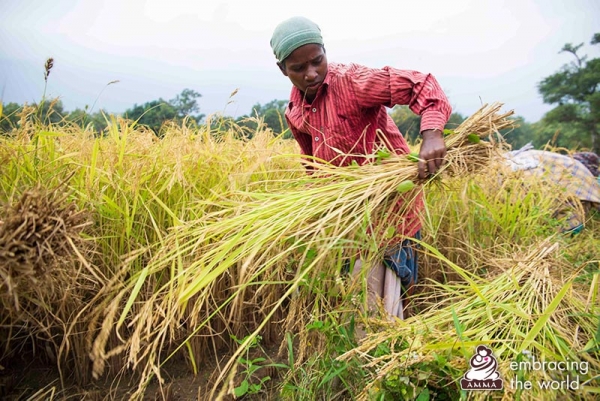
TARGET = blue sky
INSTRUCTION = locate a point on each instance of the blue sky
(480, 51)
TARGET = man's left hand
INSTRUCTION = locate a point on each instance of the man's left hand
(432, 153)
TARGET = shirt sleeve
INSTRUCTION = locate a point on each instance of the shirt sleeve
(391, 86)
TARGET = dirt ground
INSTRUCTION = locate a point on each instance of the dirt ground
(30, 378)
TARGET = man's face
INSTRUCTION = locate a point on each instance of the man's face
(306, 67)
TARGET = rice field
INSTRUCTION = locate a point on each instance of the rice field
(124, 256)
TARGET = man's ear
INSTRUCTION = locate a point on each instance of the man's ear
(282, 68)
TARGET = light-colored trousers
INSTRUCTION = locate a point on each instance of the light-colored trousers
(383, 285)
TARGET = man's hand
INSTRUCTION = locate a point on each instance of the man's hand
(432, 153)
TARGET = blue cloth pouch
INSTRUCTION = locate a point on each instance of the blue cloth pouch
(402, 259)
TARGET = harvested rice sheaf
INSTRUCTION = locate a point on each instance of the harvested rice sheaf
(38, 234)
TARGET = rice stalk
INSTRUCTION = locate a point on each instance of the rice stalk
(526, 308)
(311, 220)
(132, 190)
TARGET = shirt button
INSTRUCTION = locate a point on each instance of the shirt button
(314, 110)
(316, 139)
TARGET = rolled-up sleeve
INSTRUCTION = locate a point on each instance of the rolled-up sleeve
(391, 86)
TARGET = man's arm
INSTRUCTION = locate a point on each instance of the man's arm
(421, 93)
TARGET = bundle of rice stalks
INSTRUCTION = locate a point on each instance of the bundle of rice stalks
(38, 234)
(259, 247)
(532, 311)
(43, 272)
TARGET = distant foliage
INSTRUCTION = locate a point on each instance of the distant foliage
(520, 135)
(156, 113)
(575, 90)
(272, 114)
(46, 112)
(409, 123)
(10, 117)
(96, 121)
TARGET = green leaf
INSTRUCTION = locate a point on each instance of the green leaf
(544, 317)
(242, 389)
(473, 138)
(440, 359)
(405, 186)
(423, 395)
(390, 232)
(423, 376)
(413, 157)
(383, 153)
(290, 343)
(457, 325)
(136, 290)
(315, 325)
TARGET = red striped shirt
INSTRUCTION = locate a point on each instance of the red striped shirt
(350, 106)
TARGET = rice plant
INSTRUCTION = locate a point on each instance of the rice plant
(209, 266)
(174, 248)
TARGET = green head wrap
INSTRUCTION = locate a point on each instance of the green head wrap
(293, 33)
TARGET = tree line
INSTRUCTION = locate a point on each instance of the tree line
(153, 114)
(573, 123)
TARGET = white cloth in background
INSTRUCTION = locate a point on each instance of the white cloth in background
(522, 159)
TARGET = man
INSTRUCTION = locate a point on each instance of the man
(334, 112)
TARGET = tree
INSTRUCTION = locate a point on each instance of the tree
(575, 89)
(455, 120)
(153, 114)
(520, 135)
(50, 111)
(84, 119)
(558, 135)
(10, 117)
(186, 104)
(409, 123)
(272, 114)
(157, 112)
(47, 112)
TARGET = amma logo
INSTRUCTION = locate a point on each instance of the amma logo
(483, 374)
